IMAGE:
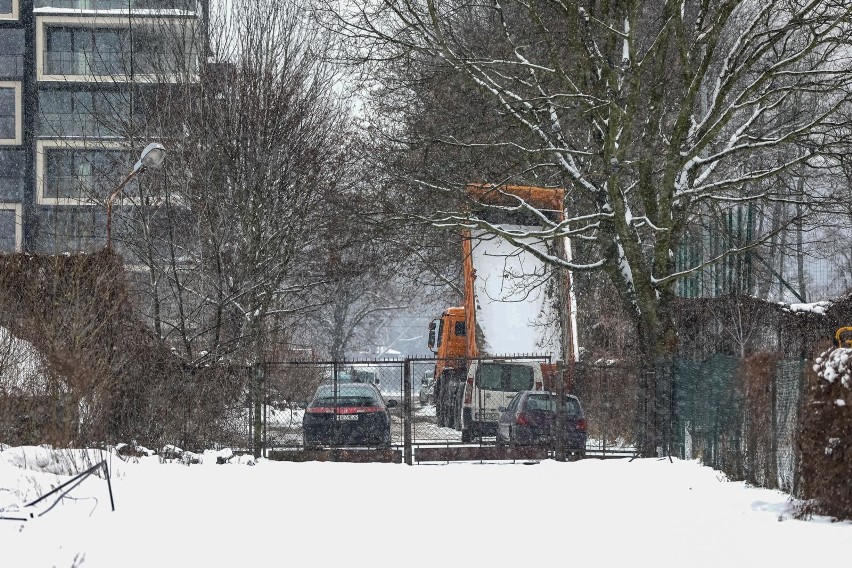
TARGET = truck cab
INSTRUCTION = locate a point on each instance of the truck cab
(448, 340)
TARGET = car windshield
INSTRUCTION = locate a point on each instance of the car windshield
(347, 395)
(504, 377)
(547, 403)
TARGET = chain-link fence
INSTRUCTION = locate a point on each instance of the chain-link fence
(736, 415)
(289, 386)
(740, 416)
(422, 412)
(607, 391)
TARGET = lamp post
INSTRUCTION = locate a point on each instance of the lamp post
(152, 156)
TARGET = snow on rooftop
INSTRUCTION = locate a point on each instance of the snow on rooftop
(175, 12)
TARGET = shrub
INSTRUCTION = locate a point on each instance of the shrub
(825, 440)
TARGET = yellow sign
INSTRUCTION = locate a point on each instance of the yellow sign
(843, 337)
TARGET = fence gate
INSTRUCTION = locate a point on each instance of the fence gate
(290, 385)
(417, 434)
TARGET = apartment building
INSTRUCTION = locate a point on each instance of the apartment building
(74, 79)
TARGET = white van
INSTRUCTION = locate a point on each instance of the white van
(490, 386)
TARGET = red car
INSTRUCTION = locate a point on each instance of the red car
(347, 414)
(530, 419)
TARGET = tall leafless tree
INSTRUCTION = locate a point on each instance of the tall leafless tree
(654, 114)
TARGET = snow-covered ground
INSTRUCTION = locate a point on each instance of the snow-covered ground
(647, 512)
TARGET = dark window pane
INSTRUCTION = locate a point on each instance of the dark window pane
(12, 168)
(520, 377)
(11, 52)
(81, 173)
(63, 229)
(68, 113)
(490, 377)
(5, 6)
(7, 113)
(60, 39)
(8, 222)
(7, 101)
(80, 51)
(84, 39)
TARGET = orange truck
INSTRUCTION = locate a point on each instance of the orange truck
(517, 319)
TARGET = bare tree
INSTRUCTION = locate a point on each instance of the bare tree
(653, 114)
(258, 132)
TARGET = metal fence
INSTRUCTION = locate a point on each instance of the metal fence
(286, 387)
(743, 426)
(608, 395)
(739, 420)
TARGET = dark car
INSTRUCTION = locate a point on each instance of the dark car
(530, 419)
(347, 414)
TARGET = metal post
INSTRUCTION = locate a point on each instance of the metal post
(334, 394)
(256, 411)
(265, 417)
(560, 411)
(110, 199)
(109, 484)
(406, 411)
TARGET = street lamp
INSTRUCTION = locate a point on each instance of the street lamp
(152, 156)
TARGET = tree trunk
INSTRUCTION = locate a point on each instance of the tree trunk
(656, 412)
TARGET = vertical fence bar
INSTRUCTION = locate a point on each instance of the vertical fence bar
(249, 411)
(406, 411)
(264, 442)
(334, 394)
(773, 389)
(559, 439)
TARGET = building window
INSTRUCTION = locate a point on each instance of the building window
(10, 113)
(12, 167)
(78, 172)
(86, 51)
(11, 224)
(100, 114)
(8, 9)
(106, 49)
(11, 53)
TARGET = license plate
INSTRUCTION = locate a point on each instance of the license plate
(347, 417)
(488, 415)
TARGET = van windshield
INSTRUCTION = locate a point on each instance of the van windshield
(511, 377)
